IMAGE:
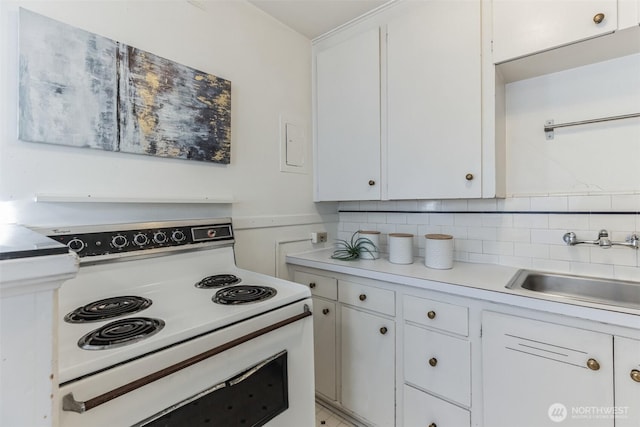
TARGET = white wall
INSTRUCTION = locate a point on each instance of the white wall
(268, 65)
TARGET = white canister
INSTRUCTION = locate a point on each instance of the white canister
(401, 248)
(438, 251)
(373, 245)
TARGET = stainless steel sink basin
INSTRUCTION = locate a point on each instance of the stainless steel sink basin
(603, 291)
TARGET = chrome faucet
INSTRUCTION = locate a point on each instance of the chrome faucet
(603, 240)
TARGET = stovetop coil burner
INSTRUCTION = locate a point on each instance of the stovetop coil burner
(218, 281)
(243, 294)
(108, 308)
(120, 333)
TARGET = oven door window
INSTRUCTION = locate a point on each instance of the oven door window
(251, 398)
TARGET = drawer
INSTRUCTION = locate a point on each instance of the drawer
(320, 286)
(436, 314)
(438, 363)
(368, 297)
(422, 409)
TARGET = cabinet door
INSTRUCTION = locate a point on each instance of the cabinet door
(348, 119)
(324, 340)
(538, 374)
(627, 381)
(368, 366)
(523, 27)
(434, 101)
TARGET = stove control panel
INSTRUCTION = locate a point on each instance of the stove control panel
(136, 240)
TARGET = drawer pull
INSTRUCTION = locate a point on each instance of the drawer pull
(325, 311)
(362, 297)
(433, 361)
(383, 330)
(598, 18)
(635, 375)
(433, 425)
(431, 315)
(312, 285)
(593, 364)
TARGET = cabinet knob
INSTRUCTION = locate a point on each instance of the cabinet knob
(598, 18)
(372, 182)
(362, 297)
(468, 176)
(635, 375)
(312, 285)
(433, 425)
(325, 311)
(431, 315)
(433, 361)
(593, 364)
(383, 330)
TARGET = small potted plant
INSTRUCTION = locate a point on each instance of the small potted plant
(349, 250)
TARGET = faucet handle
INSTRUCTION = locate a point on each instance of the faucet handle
(633, 240)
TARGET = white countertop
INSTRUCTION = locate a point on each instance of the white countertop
(481, 281)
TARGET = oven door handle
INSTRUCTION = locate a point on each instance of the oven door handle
(69, 403)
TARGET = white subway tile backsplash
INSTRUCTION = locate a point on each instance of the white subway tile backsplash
(549, 204)
(531, 238)
(551, 237)
(441, 219)
(625, 202)
(454, 205)
(531, 250)
(513, 234)
(482, 205)
(626, 273)
(514, 204)
(531, 220)
(483, 233)
(497, 248)
(568, 222)
(570, 253)
(589, 203)
(614, 255)
(497, 220)
(626, 223)
(471, 220)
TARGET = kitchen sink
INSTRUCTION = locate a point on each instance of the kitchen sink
(603, 291)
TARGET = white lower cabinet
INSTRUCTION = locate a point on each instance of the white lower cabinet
(368, 361)
(626, 354)
(422, 409)
(324, 333)
(538, 374)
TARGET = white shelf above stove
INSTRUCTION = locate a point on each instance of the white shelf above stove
(91, 198)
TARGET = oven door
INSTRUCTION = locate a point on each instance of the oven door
(265, 380)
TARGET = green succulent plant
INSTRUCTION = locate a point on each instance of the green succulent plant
(349, 250)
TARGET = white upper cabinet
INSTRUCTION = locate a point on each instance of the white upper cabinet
(525, 27)
(347, 93)
(434, 102)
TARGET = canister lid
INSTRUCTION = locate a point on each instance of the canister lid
(438, 236)
(368, 232)
(400, 235)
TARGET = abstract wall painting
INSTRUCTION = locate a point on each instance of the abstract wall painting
(84, 90)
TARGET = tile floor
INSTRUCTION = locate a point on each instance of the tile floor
(326, 418)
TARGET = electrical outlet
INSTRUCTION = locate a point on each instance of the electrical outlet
(319, 237)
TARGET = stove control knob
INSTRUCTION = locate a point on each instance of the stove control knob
(178, 236)
(159, 237)
(76, 245)
(119, 241)
(140, 239)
